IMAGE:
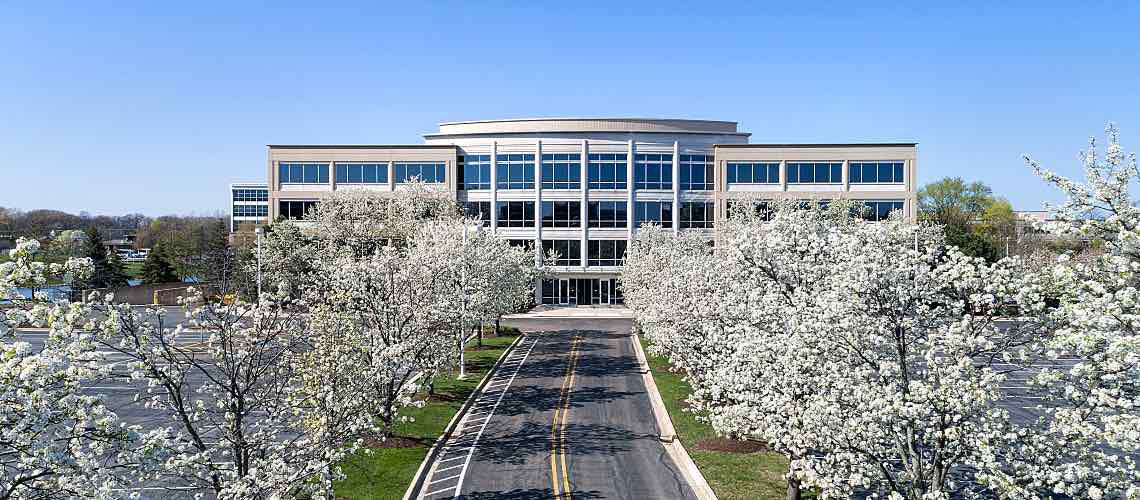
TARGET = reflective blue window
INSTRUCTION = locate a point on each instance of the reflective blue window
(697, 173)
(815, 172)
(653, 171)
(361, 173)
(753, 173)
(247, 194)
(431, 173)
(241, 210)
(474, 172)
(303, 173)
(562, 171)
(871, 172)
(607, 171)
(514, 171)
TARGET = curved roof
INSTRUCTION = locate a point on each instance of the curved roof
(587, 125)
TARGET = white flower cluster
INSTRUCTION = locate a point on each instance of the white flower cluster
(251, 400)
(886, 364)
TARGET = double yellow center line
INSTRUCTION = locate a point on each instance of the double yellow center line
(559, 477)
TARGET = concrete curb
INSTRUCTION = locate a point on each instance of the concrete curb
(413, 490)
(668, 433)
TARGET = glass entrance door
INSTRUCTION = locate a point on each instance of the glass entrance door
(604, 291)
(565, 292)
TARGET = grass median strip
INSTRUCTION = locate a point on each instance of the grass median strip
(391, 467)
(734, 469)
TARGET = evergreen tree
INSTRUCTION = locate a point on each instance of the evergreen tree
(102, 276)
(218, 260)
(156, 268)
(116, 271)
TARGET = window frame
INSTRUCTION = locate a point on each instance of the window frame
(565, 260)
(857, 171)
(482, 169)
(606, 253)
(402, 171)
(735, 170)
(596, 162)
(641, 208)
(571, 165)
(618, 210)
(514, 171)
(573, 212)
(687, 165)
(514, 210)
(288, 170)
(834, 169)
(707, 210)
(653, 171)
(379, 173)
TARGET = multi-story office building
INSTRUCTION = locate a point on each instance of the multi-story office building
(582, 186)
(250, 206)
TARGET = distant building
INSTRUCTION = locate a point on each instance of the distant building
(7, 237)
(583, 186)
(121, 241)
(250, 206)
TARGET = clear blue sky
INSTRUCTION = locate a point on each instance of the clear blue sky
(155, 107)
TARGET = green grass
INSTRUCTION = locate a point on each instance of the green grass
(133, 269)
(758, 475)
(387, 472)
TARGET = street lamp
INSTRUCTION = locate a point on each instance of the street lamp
(258, 231)
(476, 227)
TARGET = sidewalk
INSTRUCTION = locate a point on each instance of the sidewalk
(570, 312)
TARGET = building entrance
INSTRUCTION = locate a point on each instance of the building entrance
(581, 291)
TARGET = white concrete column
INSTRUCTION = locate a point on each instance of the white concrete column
(585, 233)
(332, 175)
(391, 176)
(494, 188)
(846, 175)
(676, 185)
(630, 192)
(538, 199)
(783, 175)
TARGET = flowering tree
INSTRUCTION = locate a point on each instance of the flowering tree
(55, 440)
(873, 356)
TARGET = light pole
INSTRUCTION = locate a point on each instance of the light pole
(258, 231)
(463, 303)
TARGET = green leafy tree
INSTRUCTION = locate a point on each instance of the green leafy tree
(156, 268)
(974, 220)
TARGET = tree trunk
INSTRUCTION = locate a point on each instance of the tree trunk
(793, 489)
(480, 334)
(497, 320)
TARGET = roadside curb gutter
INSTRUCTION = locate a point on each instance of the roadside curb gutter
(667, 433)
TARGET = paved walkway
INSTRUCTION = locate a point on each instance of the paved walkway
(574, 312)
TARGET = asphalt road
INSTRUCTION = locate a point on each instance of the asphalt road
(566, 416)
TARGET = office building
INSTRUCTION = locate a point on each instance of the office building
(582, 186)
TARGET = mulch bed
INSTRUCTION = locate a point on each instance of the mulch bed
(394, 442)
(731, 445)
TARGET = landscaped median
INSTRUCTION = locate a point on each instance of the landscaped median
(734, 469)
(391, 467)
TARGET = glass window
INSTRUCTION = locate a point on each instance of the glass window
(514, 171)
(654, 212)
(431, 173)
(241, 210)
(246, 194)
(294, 210)
(478, 210)
(877, 210)
(753, 173)
(605, 252)
(474, 172)
(875, 172)
(697, 173)
(653, 171)
(516, 213)
(527, 244)
(607, 214)
(303, 173)
(815, 172)
(361, 173)
(569, 252)
(562, 171)
(607, 171)
(697, 214)
(561, 214)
